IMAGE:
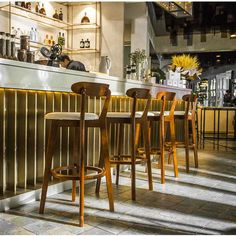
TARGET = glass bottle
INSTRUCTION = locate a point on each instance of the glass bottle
(46, 40)
(59, 39)
(32, 34)
(2, 44)
(60, 16)
(18, 4)
(23, 4)
(63, 39)
(36, 35)
(37, 7)
(55, 15)
(8, 45)
(28, 5)
(82, 43)
(85, 19)
(13, 30)
(52, 40)
(42, 10)
(87, 44)
(13, 47)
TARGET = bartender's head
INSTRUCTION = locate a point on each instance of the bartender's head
(64, 60)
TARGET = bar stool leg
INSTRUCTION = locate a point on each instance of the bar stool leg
(195, 143)
(162, 148)
(120, 147)
(82, 169)
(48, 164)
(133, 160)
(101, 165)
(75, 159)
(147, 151)
(105, 157)
(173, 144)
(186, 134)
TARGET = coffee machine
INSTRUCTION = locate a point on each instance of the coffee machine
(53, 54)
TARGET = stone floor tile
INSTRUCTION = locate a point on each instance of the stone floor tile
(96, 231)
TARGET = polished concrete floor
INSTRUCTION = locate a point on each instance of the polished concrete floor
(201, 202)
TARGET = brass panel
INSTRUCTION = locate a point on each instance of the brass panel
(65, 132)
(40, 133)
(10, 140)
(21, 140)
(2, 155)
(31, 132)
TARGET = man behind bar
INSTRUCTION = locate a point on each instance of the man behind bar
(67, 63)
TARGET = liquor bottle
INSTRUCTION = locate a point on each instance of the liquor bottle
(36, 35)
(42, 10)
(87, 44)
(63, 39)
(82, 43)
(23, 4)
(37, 7)
(13, 31)
(52, 41)
(60, 14)
(32, 34)
(60, 39)
(85, 19)
(46, 40)
(18, 4)
(28, 6)
(55, 15)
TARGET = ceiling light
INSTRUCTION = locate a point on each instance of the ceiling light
(218, 55)
(177, 9)
(233, 36)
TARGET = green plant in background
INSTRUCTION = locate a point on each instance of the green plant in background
(159, 74)
(138, 56)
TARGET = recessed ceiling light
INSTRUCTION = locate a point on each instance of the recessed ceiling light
(218, 60)
(218, 55)
(232, 36)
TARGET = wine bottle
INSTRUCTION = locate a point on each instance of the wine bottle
(55, 15)
(63, 39)
(23, 4)
(37, 7)
(60, 39)
(28, 5)
(85, 19)
(42, 10)
(60, 14)
(87, 44)
(82, 43)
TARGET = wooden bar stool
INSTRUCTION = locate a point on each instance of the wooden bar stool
(165, 117)
(188, 116)
(134, 118)
(80, 121)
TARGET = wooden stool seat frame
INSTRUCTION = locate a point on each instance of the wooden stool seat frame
(85, 89)
(189, 117)
(165, 120)
(134, 122)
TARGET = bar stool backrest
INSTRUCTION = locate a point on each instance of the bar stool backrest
(191, 105)
(139, 93)
(167, 97)
(93, 90)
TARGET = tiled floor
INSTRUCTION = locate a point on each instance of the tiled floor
(201, 202)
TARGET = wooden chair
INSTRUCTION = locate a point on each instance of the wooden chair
(80, 121)
(165, 117)
(134, 118)
(188, 116)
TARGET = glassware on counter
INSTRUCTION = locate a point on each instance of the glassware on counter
(13, 47)
(22, 55)
(2, 44)
(24, 42)
(8, 45)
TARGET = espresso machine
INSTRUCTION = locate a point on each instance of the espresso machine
(53, 53)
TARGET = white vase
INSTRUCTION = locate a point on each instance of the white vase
(105, 65)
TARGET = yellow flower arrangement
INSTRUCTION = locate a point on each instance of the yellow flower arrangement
(188, 66)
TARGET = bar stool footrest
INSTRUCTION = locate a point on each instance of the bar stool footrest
(126, 159)
(56, 173)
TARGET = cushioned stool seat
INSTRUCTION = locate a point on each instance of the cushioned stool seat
(70, 116)
(138, 114)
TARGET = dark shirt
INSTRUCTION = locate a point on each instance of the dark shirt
(76, 65)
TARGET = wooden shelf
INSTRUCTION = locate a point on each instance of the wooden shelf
(39, 18)
(92, 26)
(83, 50)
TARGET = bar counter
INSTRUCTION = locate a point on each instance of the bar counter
(27, 93)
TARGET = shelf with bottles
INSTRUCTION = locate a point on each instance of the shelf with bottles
(35, 16)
